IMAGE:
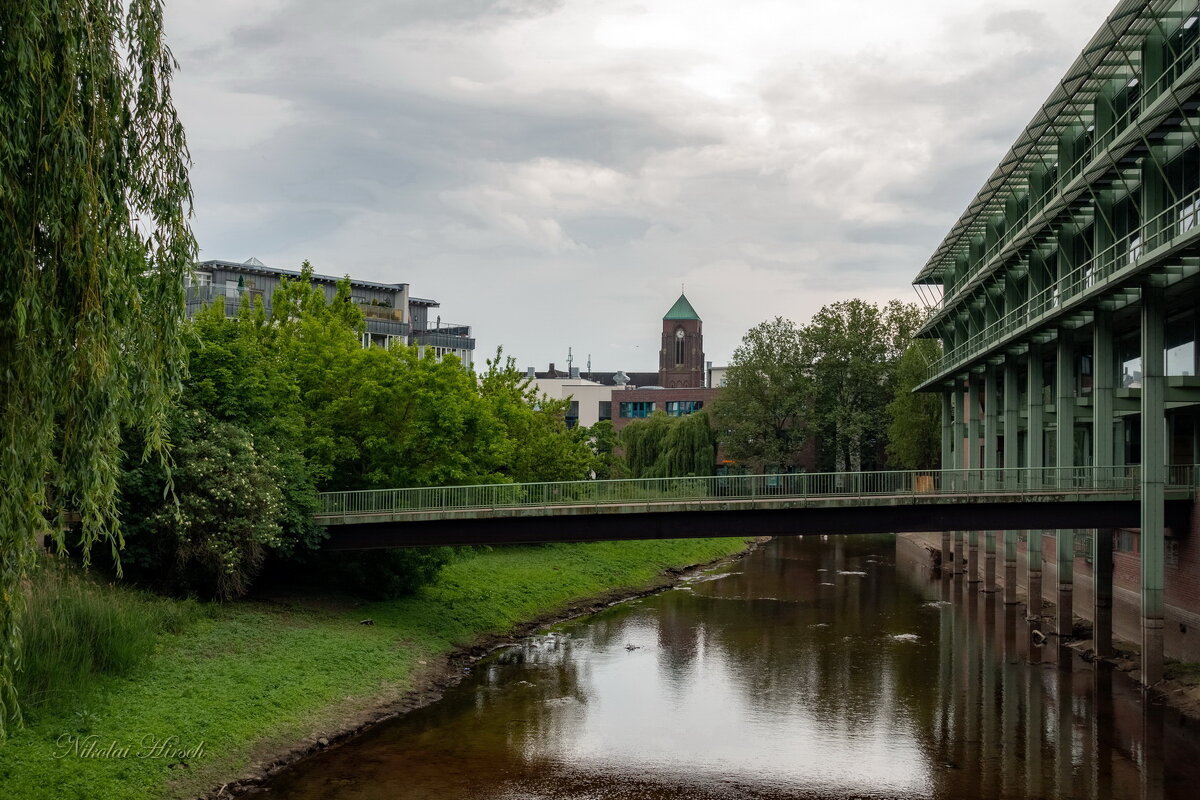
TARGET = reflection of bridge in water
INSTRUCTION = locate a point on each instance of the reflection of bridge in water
(748, 505)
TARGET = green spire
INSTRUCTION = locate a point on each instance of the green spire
(682, 310)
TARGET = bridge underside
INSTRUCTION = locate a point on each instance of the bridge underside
(697, 524)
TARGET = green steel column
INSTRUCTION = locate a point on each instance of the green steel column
(1153, 478)
(960, 429)
(973, 432)
(1012, 422)
(1064, 451)
(960, 436)
(991, 453)
(948, 429)
(1103, 390)
(1035, 459)
(947, 463)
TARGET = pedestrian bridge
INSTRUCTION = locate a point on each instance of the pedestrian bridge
(749, 505)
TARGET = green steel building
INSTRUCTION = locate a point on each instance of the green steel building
(1067, 314)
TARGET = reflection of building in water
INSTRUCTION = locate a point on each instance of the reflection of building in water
(1065, 299)
(1017, 721)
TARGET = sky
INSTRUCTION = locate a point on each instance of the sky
(554, 172)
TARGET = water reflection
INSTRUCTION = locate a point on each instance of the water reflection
(813, 668)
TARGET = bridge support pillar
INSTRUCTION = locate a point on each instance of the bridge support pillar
(991, 461)
(1012, 422)
(973, 572)
(989, 562)
(1035, 460)
(1065, 459)
(1103, 387)
(948, 430)
(973, 465)
(1153, 483)
(948, 449)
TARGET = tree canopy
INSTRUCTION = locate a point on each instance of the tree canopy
(669, 447)
(762, 412)
(914, 433)
(94, 197)
(826, 383)
(854, 347)
(278, 406)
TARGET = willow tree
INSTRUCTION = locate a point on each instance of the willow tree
(670, 447)
(94, 247)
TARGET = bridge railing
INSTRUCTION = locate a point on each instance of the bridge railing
(1028, 482)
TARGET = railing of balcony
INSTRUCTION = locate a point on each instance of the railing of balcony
(382, 312)
(1102, 142)
(196, 297)
(440, 338)
(1024, 482)
(1178, 219)
(448, 328)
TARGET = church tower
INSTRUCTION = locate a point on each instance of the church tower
(681, 359)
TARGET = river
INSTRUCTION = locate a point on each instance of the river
(815, 667)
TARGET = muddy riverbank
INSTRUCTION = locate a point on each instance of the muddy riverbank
(440, 673)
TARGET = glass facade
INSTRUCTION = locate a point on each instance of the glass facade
(681, 408)
(636, 409)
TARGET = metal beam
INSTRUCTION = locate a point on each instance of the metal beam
(1153, 479)
(1104, 370)
(754, 522)
(1065, 457)
(1035, 458)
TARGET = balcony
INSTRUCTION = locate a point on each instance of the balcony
(447, 334)
(379, 319)
(1127, 132)
(1145, 247)
(371, 311)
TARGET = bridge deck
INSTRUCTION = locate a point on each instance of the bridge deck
(747, 505)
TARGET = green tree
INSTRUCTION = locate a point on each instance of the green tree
(227, 514)
(669, 447)
(238, 374)
(914, 435)
(537, 444)
(854, 347)
(762, 413)
(603, 440)
(94, 196)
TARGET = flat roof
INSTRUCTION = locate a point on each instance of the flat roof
(263, 269)
(1121, 31)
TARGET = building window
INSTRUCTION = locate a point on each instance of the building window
(1181, 345)
(1083, 545)
(200, 279)
(1126, 542)
(605, 411)
(636, 409)
(1135, 247)
(681, 408)
(1129, 356)
(573, 414)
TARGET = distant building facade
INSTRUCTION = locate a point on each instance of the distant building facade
(677, 388)
(392, 315)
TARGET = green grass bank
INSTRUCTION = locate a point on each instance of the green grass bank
(246, 681)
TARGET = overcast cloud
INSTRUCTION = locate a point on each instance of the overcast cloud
(553, 171)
